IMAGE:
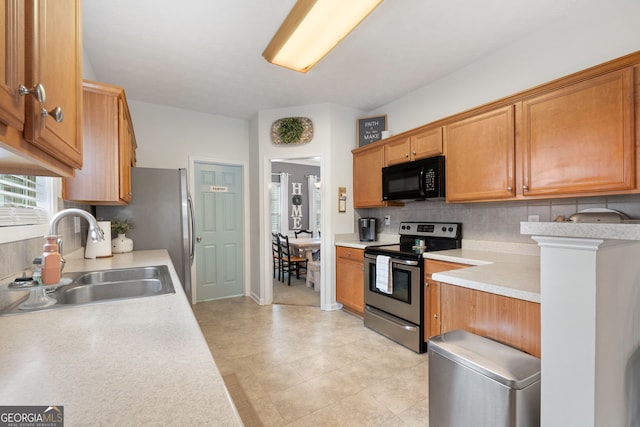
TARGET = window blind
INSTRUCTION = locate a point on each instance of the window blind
(19, 201)
(275, 207)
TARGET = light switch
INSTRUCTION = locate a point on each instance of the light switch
(387, 220)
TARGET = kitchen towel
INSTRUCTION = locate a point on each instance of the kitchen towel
(384, 282)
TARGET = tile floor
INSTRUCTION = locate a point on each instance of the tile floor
(296, 294)
(300, 366)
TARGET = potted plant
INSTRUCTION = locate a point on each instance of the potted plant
(121, 243)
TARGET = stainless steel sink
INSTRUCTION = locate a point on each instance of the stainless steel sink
(102, 286)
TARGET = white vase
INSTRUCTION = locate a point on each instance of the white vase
(121, 244)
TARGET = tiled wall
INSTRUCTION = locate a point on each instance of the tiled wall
(498, 221)
(18, 256)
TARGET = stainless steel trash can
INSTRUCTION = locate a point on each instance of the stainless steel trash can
(475, 381)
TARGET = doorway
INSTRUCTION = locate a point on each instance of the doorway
(295, 207)
(218, 193)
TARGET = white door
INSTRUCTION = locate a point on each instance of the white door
(218, 230)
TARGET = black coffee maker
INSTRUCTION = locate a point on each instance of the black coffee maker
(367, 229)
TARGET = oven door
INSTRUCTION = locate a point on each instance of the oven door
(406, 300)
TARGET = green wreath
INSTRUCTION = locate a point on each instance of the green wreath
(290, 130)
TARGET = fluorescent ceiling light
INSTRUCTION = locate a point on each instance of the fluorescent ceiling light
(313, 28)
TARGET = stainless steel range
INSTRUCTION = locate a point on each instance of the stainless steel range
(394, 276)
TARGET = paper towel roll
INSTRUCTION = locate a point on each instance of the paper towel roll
(99, 249)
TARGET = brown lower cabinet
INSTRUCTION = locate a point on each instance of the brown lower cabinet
(508, 320)
(350, 278)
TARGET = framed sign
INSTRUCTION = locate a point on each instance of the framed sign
(370, 129)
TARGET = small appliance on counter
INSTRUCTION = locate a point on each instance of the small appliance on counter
(367, 229)
(102, 248)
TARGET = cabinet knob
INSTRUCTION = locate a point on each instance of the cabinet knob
(406, 155)
(37, 91)
(525, 187)
(435, 316)
(509, 188)
(414, 153)
(198, 239)
(56, 113)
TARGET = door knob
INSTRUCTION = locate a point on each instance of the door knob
(198, 239)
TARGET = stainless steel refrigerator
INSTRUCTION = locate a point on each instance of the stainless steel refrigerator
(162, 213)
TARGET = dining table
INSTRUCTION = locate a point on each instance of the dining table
(305, 246)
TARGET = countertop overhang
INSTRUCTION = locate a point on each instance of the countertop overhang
(510, 275)
(129, 362)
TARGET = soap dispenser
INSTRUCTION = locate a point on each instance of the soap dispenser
(51, 261)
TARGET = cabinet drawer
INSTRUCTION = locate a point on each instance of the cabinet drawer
(352, 254)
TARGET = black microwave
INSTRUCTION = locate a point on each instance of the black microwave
(421, 179)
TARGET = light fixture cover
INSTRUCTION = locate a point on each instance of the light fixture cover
(312, 29)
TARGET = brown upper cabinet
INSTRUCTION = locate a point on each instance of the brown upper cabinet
(40, 89)
(580, 138)
(423, 144)
(367, 176)
(109, 148)
(480, 156)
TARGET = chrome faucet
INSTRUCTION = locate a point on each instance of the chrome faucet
(95, 231)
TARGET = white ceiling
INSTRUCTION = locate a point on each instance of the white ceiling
(206, 55)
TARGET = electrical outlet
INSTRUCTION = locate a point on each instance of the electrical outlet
(76, 224)
(387, 220)
(533, 218)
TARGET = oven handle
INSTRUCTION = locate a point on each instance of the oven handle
(394, 260)
(377, 313)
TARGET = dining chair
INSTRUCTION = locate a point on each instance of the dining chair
(299, 232)
(290, 262)
(277, 256)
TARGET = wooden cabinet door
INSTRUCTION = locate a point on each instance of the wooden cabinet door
(367, 177)
(125, 150)
(426, 144)
(350, 278)
(397, 150)
(508, 320)
(421, 145)
(432, 309)
(480, 157)
(54, 59)
(109, 148)
(432, 316)
(12, 65)
(580, 138)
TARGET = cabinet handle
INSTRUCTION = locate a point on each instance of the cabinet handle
(414, 153)
(406, 155)
(56, 113)
(525, 187)
(509, 189)
(435, 316)
(37, 91)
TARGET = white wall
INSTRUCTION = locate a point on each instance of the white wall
(167, 136)
(598, 34)
(334, 137)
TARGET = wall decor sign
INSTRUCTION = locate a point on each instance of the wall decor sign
(370, 129)
(292, 131)
(296, 205)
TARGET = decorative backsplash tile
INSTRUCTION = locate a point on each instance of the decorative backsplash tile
(499, 221)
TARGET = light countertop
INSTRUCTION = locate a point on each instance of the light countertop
(511, 275)
(130, 362)
(627, 230)
(353, 240)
